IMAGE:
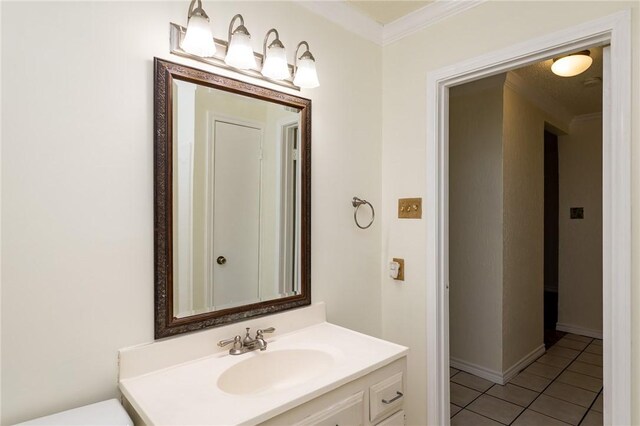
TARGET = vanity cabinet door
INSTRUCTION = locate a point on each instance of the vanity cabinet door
(395, 420)
(348, 412)
(386, 397)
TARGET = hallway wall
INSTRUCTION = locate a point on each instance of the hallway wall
(580, 255)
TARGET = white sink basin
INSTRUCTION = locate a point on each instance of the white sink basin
(274, 370)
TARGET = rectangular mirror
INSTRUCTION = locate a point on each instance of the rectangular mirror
(232, 176)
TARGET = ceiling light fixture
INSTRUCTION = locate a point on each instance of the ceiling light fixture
(275, 64)
(572, 64)
(305, 66)
(240, 53)
(198, 39)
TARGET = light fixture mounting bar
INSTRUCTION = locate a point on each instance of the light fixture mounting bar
(176, 35)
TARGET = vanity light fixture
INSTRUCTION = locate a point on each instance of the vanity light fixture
(196, 42)
(239, 52)
(275, 64)
(305, 66)
(572, 64)
(198, 39)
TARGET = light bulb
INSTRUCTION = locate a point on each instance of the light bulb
(306, 76)
(275, 64)
(199, 40)
(240, 52)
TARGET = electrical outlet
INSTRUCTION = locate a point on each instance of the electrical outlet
(410, 208)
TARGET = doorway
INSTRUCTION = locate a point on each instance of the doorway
(615, 30)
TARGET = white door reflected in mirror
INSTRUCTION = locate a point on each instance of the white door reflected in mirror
(236, 200)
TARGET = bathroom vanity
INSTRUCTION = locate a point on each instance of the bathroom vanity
(311, 373)
(232, 192)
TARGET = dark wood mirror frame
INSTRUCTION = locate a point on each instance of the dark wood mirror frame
(166, 323)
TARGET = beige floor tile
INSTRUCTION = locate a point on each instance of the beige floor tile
(469, 418)
(578, 338)
(597, 342)
(592, 384)
(590, 358)
(572, 344)
(496, 409)
(471, 381)
(597, 406)
(571, 394)
(453, 371)
(558, 409)
(453, 409)
(556, 361)
(584, 368)
(530, 381)
(544, 370)
(461, 395)
(593, 418)
(514, 394)
(594, 349)
(532, 418)
(556, 350)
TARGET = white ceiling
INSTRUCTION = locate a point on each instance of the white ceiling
(570, 92)
(384, 12)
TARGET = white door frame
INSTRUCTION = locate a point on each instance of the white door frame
(616, 30)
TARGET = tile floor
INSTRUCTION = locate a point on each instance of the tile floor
(562, 387)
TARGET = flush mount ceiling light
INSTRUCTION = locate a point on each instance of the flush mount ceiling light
(572, 64)
(275, 64)
(305, 66)
(240, 52)
(198, 39)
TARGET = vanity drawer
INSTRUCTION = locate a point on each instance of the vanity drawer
(395, 420)
(386, 397)
(348, 412)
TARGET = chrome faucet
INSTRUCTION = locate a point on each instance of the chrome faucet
(241, 346)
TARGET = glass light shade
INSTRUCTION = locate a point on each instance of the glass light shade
(199, 40)
(275, 64)
(306, 76)
(571, 65)
(240, 52)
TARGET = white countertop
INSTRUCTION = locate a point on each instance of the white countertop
(187, 394)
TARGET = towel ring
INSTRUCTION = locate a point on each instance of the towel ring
(357, 202)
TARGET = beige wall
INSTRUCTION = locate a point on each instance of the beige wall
(580, 241)
(77, 184)
(523, 250)
(476, 225)
(496, 235)
(488, 27)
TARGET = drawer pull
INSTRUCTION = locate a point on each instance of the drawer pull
(395, 398)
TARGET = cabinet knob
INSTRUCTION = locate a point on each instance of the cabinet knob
(221, 260)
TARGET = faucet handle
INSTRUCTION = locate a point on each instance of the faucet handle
(226, 342)
(265, 330)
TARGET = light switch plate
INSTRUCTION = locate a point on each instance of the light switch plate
(410, 208)
(400, 270)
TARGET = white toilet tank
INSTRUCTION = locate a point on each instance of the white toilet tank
(105, 413)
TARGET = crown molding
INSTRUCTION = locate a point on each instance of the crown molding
(424, 17)
(587, 117)
(355, 21)
(349, 18)
(541, 100)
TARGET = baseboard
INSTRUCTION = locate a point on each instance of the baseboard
(569, 328)
(496, 376)
(523, 363)
(477, 370)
